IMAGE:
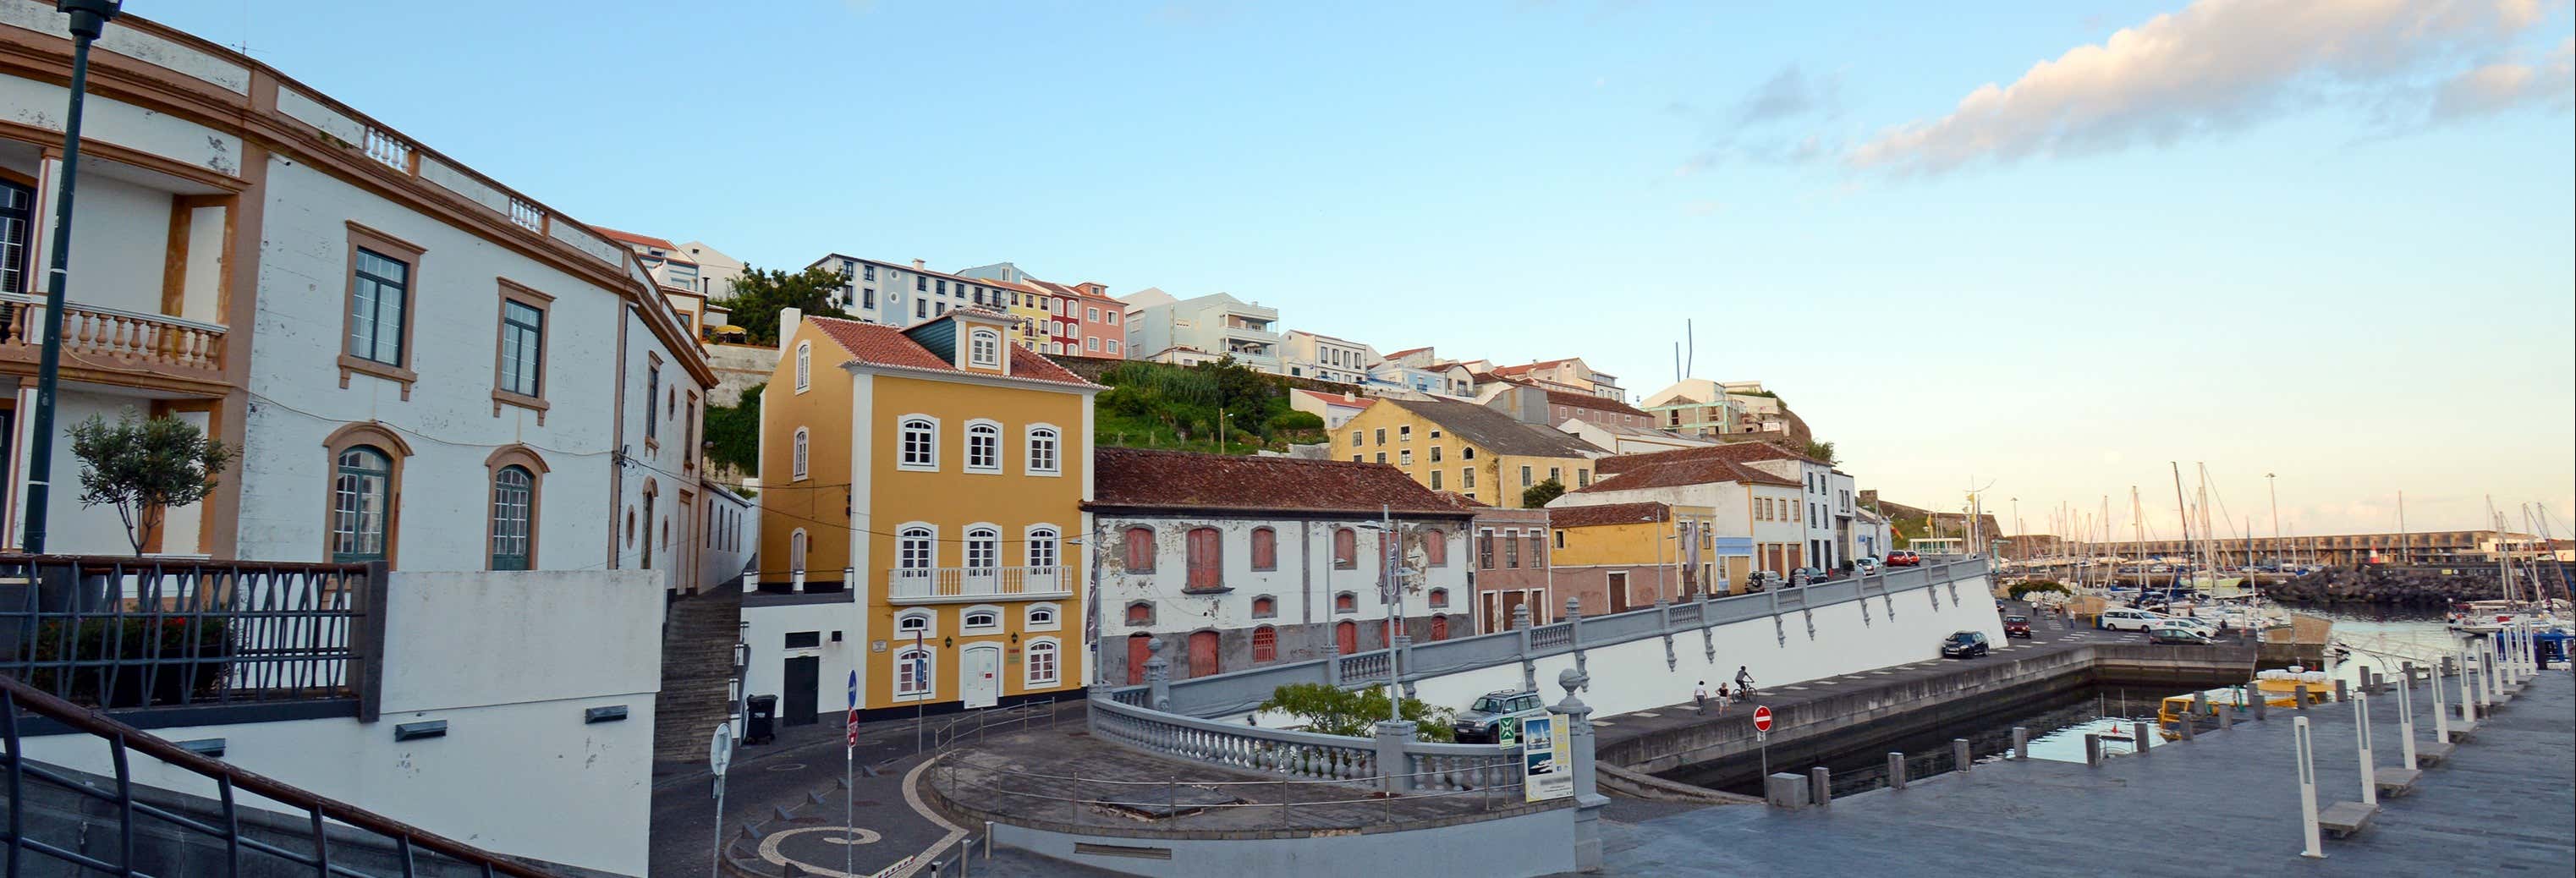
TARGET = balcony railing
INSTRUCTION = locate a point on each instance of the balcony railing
(143, 633)
(940, 584)
(101, 337)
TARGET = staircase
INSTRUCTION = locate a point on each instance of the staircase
(698, 636)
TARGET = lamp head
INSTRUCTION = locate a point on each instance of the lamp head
(89, 17)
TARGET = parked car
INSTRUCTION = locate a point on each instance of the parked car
(1480, 722)
(2128, 619)
(2179, 635)
(1904, 558)
(1868, 562)
(2016, 626)
(1809, 574)
(1964, 644)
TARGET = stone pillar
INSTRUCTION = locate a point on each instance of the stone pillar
(1392, 768)
(2301, 691)
(1959, 753)
(1785, 790)
(2144, 743)
(1574, 621)
(1820, 785)
(2092, 748)
(1520, 617)
(1521, 627)
(1896, 771)
(2021, 743)
(1400, 658)
(1588, 800)
(1158, 677)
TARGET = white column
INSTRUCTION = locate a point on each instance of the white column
(2361, 734)
(2308, 790)
(2441, 712)
(2406, 713)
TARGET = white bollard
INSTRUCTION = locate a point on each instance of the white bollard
(2308, 791)
(2441, 711)
(2406, 713)
(2361, 733)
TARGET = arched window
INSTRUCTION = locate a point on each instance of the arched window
(1041, 659)
(1205, 549)
(915, 550)
(1346, 602)
(804, 365)
(1042, 617)
(1439, 598)
(1140, 550)
(980, 619)
(983, 548)
(796, 551)
(1044, 456)
(1265, 607)
(804, 447)
(1041, 549)
(917, 621)
(1346, 549)
(984, 348)
(917, 441)
(361, 504)
(514, 492)
(1140, 613)
(1439, 627)
(1435, 547)
(1265, 549)
(983, 447)
(1265, 644)
(914, 674)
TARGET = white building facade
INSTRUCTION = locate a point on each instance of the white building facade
(1216, 325)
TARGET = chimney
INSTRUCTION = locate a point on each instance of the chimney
(788, 318)
(918, 265)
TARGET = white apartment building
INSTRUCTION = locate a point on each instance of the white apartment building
(1214, 326)
(899, 295)
(1325, 358)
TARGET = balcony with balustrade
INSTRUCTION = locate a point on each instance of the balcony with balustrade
(146, 288)
(945, 585)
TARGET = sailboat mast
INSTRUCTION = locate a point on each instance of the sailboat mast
(2401, 527)
(2184, 510)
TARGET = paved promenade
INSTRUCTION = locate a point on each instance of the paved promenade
(2225, 804)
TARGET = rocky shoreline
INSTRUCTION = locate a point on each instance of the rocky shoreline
(2411, 586)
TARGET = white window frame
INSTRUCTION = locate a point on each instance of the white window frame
(984, 348)
(1047, 535)
(928, 681)
(964, 629)
(1113, 346)
(796, 549)
(1110, 318)
(1091, 343)
(903, 423)
(930, 623)
(1054, 439)
(966, 547)
(804, 366)
(929, 540)
(1028, 674)
(993, 464)
(800, 456)
(1053, 622)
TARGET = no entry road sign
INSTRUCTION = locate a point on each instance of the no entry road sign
(1762, 719)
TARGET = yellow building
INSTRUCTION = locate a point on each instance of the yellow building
(944, 469)
(1464, 448)
(1622, 556)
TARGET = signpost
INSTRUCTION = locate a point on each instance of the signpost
(719, 756)
(849, 778)
(1762, 736)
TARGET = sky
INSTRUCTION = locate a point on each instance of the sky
(2045, 250)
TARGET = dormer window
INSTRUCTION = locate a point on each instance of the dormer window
(984, 349)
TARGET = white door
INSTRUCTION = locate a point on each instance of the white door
(980, 676)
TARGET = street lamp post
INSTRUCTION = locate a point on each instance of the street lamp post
(89, 18)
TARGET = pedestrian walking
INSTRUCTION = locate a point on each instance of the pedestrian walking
(1700, 696)
(1723, 696)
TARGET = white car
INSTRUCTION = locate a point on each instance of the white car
(2129, 619)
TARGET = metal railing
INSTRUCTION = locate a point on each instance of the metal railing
(945, 583)
(121, 633)
(114, 826)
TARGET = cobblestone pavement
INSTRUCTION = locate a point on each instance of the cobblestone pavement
(2224, 804)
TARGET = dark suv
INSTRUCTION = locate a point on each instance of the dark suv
(1964, 644)
(1479, 723)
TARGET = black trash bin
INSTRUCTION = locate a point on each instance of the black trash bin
(760, 719)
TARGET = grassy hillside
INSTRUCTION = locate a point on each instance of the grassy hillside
(1157, 405)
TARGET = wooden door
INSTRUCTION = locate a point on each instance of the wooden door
(1346, 637)
(1138, 650)
(1619, 592)
(1203, 658)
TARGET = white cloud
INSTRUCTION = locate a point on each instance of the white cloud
(2219, 65)
(2505, 85)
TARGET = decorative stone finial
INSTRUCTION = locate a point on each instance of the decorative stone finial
(1571, 679)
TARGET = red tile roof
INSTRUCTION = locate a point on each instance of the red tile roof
(1612, 513)
(887, 346)
(1685, 471)
(633, 238)
(1588, 401)
(1733, 452)
(1188, 479)
(1339, 399)
(1408, 351)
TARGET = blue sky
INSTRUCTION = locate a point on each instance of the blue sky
(2271, 235)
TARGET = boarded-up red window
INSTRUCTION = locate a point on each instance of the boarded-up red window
(1346, 637)
(1140, 613)
(1346, 549)
(1345, 603)
(1206, 553)
(1439, 627)
(1439, 598)
(1265, 549)
(1265, 608)
(1265, 644)
(1435, 548)
(1140, 550)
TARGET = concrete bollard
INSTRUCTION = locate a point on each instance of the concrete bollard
(2342, 692)
(2262, 704)
(1820, 785)
(2302, 692)
(1785, 790)
(2226, 719)
(1896, 771)
(2021, 743)
(2144, 742)
(2092, 748)
(1959, 752)
(2190, 722)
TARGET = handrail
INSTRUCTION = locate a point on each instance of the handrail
(25, 299)
(17, 693)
